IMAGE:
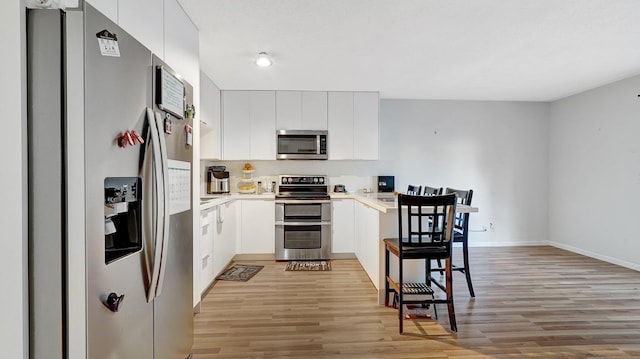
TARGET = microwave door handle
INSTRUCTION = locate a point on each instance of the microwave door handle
(165, 199)
(318, 145)
(157, 205)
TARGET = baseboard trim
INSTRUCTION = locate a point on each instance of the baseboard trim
(612, 260)
(343, 256)
(503, 244)
(254, 257)
(272, 257)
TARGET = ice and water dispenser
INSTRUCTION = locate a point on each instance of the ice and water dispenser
(122, 217)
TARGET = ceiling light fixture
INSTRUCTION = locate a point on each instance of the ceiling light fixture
(263, 60)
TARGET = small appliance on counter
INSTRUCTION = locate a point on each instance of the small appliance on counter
(339, 188)
(217, 180)
(386, 183)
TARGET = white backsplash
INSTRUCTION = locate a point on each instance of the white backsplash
(353, 183)
(355, 175)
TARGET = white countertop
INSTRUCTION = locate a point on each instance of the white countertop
(386, 202)
(212, 200)
(382, 202)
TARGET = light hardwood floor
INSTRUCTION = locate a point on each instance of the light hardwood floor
(531, 302)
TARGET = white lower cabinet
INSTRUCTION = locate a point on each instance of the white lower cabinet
(224, 244)
(217, 241)
(258, 226)
(342, 221)
(367, 239)
(207, 237)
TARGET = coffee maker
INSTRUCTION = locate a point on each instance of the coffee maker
(217, 180)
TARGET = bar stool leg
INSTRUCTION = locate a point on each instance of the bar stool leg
(449, 291)
(467, 273)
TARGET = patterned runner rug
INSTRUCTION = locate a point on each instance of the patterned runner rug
(308, 266)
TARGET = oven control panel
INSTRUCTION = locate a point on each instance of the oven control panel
(303, 180)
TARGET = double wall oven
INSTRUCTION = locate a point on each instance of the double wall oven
(303, 218)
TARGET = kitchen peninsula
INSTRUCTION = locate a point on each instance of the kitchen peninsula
(360, 221)
(376, 217)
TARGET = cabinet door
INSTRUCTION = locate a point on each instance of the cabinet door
(372, 244)
(263, 125)
(365, 125)
(360, 229)
(150, 31)
(340, 120)
(210, 126)
(289, 110)
(367, 240)
(342, 222)
(314, 110)
(207, 232)
(225, 240)
(108, 8)
(236, 125)
(182, 45)
(258, 227)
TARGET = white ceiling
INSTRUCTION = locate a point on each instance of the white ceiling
(529, 50)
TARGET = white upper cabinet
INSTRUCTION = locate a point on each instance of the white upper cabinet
(289, 110)
(249, 125)
(340, 118)
(250, 118)
(365, 125)
(210, 129)
(263, 125)
(181, 44)
(353, 125)
(108, 8)
(314, 110)
(143, 19)
(235, 126)
(301, 110)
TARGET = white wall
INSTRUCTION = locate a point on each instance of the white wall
(13, 326)
(498, 149)
(594, 173)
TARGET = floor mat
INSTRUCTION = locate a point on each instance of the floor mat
(308, 266)
(240, 272)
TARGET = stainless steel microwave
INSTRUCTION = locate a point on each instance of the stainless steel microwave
(301, 145)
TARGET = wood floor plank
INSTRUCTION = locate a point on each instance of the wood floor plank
(531, 302)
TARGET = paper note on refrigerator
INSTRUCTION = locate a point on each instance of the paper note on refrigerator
(179, 186)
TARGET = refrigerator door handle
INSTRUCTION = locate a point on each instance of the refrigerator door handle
(165, 192)
(155, 246)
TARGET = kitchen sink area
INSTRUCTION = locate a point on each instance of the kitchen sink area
(385, 197)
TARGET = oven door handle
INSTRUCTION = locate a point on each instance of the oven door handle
(302, 201)
(302, 223)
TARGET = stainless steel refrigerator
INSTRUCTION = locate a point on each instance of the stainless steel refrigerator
(110, 204)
